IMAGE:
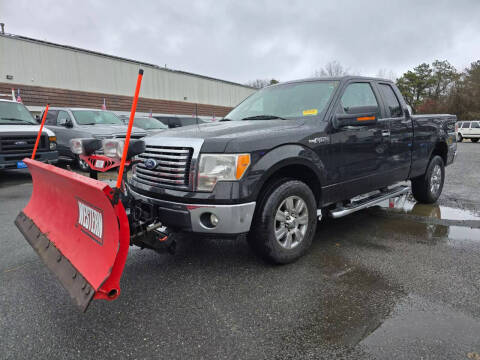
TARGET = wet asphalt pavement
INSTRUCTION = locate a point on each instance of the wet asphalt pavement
(401, 283)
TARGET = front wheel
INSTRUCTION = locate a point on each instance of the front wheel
(285, 222)
(459, 138)
(428, 187)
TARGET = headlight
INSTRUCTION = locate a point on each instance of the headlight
(220, 167)
(113, 148)
(53, 142)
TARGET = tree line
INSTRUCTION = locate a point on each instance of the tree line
(440, 88)
(428, 88)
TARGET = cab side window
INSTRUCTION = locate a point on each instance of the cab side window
(475, 125)
(51, 117)
(358, 98)
(392, 104)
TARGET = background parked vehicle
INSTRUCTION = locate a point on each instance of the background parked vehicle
(468, 130)
(70, 123)
(18, 133)
(150, 124)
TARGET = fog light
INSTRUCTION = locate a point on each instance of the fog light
(53, 145)
(214, 220)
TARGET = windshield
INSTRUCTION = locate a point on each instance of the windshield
(289, 101)
(15, 113)
(93, 117)
(148, 123)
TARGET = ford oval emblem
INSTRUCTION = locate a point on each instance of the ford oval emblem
(150, 164)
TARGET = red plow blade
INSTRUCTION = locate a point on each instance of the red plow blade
(78, 231)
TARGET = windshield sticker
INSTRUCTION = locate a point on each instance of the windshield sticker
(310, 112)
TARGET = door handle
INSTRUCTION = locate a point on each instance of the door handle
(385, 132)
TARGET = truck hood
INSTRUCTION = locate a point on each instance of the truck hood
(217, 135)
(110, 130)
(27, 128)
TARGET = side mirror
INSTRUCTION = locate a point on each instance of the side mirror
(342, 120)
(65, 122)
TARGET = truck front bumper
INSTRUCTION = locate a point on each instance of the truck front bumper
(9, 161)
(232, 219)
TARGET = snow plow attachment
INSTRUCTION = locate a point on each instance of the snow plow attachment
(78, 230)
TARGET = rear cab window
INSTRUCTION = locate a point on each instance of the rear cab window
(392, 104)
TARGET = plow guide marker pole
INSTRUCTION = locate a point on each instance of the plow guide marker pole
(39, 133)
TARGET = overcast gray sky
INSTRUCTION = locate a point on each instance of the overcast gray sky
(243, 40)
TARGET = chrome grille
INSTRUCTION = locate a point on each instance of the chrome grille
(21, 143)
(172, 170)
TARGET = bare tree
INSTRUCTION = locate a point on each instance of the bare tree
(261, 83)
(386, 74)
(331, 69)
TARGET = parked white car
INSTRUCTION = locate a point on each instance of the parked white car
(468, 130)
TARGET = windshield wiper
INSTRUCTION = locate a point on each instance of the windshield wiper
(263, 117)
(226, 119)
(89, 123)
(16, 119)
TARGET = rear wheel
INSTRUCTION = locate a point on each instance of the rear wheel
(474, 140)
(459, 138)
(428, 187)
(284, 223)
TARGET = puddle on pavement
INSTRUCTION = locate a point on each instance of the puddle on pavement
(430, 221)
(405, 204)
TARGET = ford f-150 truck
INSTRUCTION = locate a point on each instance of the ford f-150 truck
(18, 133)
(289, 154)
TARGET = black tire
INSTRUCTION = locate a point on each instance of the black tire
(262, 237)
(459, 138)
(428, 187)
(82, 165)
(474, 140)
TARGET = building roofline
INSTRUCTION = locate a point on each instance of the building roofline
(91, 52)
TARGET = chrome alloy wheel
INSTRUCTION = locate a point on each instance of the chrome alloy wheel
(435, 179)
(291, 222)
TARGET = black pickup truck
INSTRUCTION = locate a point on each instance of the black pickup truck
(289, 154)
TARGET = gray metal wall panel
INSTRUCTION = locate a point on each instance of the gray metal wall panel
(39, 64)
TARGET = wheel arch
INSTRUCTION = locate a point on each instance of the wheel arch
(291, 162)
(440, 149)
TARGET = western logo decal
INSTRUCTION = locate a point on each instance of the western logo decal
(90, 220)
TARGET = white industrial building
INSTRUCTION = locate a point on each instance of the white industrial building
(68, 76)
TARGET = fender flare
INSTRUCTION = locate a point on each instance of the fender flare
(283, 156)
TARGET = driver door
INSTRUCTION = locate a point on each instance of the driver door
(63, 133)
(359, 151)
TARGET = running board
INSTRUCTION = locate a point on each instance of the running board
(367, 202)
